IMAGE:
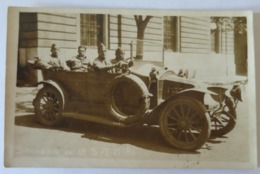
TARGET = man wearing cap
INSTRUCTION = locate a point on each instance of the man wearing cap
(120, 54)
(52, 62)
(120, 59)
(79, 62)
(101, 64)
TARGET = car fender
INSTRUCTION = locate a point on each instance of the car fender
(198, 93)
(56, 86)
(202, 90)
(195, 93)
(222, 91)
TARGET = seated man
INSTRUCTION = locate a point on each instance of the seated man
(79, 62)
(51, 62)
(120, 59)
(120, 54)
(101, 64)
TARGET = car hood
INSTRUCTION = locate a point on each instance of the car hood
(178, 79)
(207, 82)
(222, 81)
(196, 82)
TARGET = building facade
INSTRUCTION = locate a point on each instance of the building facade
(178, 42)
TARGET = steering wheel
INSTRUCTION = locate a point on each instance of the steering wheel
(124, 66)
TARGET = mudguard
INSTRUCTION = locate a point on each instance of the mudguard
(205, 90)
(56, 86)
(195, 93)
(222, 92)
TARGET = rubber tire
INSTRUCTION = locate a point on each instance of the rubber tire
(231, 109)
(39, 116)
(144, 101)
(231, 113)
(229, 127)
(205, 121)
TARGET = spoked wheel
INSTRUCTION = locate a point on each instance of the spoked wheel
(222, 123)
(48, 106)
(185, 124)
(230, 108)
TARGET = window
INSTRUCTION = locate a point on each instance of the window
(213, 39)
(170, 33)
(91, 29)
(222, 35)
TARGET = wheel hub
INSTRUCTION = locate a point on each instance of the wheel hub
(49, 106)
(184, 124)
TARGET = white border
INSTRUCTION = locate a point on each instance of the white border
(167, 4)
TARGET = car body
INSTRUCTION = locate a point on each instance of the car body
(160, 98)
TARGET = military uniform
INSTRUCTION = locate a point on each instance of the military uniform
(100, 63)
(81, 64)
(51, 63)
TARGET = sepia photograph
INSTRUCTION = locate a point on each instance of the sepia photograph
(130, 89)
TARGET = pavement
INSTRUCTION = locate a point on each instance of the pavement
(84, 144)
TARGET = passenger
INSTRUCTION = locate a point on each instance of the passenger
(80, 62)
(53, 61)
(101, 63)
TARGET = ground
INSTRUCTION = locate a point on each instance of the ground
(87, 142)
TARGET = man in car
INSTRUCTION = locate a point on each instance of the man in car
(53, 61)
(120, 59)
(120, 54)
(101, 64)
(80, 62)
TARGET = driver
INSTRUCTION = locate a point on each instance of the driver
(101, 64)
(120, 56)
(120, 59)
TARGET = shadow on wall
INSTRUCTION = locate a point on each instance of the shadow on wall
(26, 76)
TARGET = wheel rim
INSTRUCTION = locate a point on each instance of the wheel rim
(185, 125)
(49, 106)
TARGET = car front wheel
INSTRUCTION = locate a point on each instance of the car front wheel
(184, 123)
(224, 121)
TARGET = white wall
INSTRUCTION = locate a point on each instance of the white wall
(203, 65)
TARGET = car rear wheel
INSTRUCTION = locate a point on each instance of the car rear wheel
(48, 106)
(184, 123)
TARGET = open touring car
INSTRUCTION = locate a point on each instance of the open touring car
(174, 104)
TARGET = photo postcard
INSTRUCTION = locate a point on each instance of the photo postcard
(130, 88)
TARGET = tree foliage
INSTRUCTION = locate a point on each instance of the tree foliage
(236, 24)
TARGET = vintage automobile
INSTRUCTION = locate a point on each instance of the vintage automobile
(176, 105)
